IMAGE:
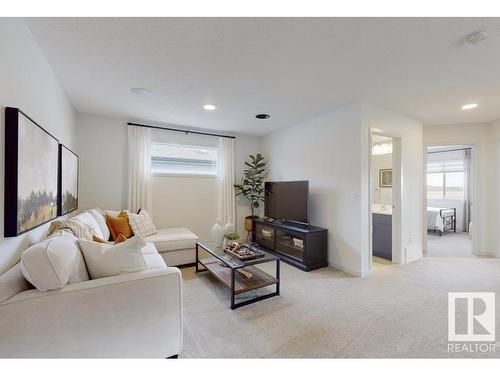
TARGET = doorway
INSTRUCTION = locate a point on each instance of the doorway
(384, 200)
(449, 192)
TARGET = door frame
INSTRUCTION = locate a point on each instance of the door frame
(474, 188)
(397, 256)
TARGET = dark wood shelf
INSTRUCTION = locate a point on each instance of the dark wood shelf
(242, 283)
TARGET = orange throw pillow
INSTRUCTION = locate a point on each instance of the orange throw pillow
(121, 238)
(98, 239)
(119, 225)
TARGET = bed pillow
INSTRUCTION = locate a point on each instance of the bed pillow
(142, 225)
(104, 260)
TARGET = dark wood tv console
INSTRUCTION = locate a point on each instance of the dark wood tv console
(302, 246)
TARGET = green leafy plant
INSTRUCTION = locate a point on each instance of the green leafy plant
(252, 183)
(232, 236)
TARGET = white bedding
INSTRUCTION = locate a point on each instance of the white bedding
(434, 220)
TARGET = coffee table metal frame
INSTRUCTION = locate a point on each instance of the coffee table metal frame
(234, 264)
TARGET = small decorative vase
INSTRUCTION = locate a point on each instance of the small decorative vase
(218, 232)
(224, 243)
(229, 227)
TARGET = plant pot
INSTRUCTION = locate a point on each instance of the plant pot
(249, 222)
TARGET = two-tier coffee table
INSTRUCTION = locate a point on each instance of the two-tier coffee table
(236, 275)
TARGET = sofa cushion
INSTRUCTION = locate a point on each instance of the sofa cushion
(89, 219)
(105, 260)
(12, 282)
(50, 264)
(101, 220)
(152, 258)
(172, 239)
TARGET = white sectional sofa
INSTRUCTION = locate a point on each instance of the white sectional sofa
(176, 245)
(130, 315)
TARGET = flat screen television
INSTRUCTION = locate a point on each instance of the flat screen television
(287, 200)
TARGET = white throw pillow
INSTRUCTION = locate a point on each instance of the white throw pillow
(79, 272)
(89, 219)
(49, 264)
(105, 260)
(142, 225)
(101, 220)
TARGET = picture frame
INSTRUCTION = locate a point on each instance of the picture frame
(31, 174)
(67, 181)
(385, 178)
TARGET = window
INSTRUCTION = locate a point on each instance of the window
(169, 158)
(446, 175)
(445, 185)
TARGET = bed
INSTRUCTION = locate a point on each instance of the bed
(442, 219)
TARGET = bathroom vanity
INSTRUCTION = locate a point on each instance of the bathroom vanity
(382, 231)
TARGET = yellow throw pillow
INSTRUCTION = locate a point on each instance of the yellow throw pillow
(119, 225)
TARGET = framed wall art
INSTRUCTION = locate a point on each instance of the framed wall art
(31, 174)
(385, 178)
(68, 180)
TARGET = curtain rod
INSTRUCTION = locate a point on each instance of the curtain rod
(448, 150)
(180, 130)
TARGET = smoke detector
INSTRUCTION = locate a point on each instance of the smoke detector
(474, 38)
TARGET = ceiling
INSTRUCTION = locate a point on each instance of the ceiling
(291, 68)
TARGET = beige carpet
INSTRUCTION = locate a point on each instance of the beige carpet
(399, 311)
(450, 244)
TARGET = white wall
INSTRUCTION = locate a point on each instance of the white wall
(27, 82)
(485, 168)
(102, 148)
(409, 132)
(326, 151)
(178, 201)
(192, 201)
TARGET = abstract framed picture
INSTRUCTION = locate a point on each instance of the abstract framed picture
(68, 180)
(31, 174)
(385, 178)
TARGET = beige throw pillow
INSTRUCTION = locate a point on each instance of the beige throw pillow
(142, 225)
(104, 260)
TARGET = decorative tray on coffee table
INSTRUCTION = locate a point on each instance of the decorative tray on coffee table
(244, 251)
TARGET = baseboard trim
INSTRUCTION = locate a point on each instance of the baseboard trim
(348, 270)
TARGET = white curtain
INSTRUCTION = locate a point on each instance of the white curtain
(139, 169)
(225, 187)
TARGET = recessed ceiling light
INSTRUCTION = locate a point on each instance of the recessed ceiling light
(209, 107)
(469, 106)
(262, 116)
(474, 38)
(140, 91)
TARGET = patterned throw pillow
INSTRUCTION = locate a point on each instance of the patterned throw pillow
(141, 224)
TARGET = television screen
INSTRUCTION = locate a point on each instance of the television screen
(287, 200)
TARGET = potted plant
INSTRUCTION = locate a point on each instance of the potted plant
(252, 185)
(228, 237)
